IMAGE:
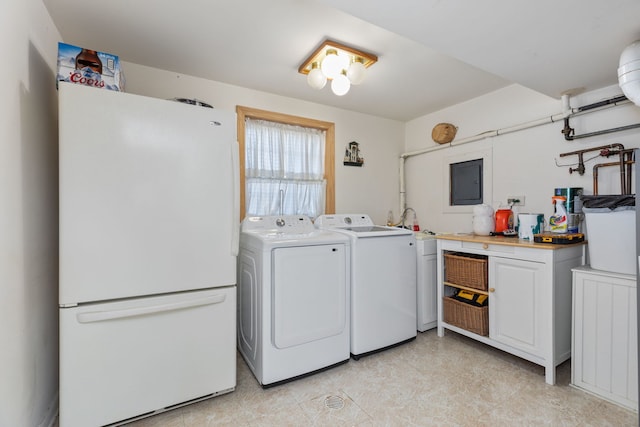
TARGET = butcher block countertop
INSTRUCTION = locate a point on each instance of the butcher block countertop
(501, 240)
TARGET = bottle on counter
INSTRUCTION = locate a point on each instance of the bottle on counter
(558, 221)
(390, 218)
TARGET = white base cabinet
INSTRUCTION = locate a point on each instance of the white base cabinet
(517, 310)
(529, 289)
(605, 345)
(427, 314)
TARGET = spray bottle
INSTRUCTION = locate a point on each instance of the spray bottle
(558, 221)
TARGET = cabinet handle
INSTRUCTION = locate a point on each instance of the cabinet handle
(101, 316)
(485, 246)
(492, 289)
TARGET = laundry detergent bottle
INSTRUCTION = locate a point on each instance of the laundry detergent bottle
(558, 221)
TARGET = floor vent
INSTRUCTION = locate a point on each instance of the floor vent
(334, 402)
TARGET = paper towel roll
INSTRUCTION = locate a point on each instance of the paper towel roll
(530, 224)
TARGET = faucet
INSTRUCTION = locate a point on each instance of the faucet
(403, 217)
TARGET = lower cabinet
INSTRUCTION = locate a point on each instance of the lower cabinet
(605, 345)
(529, 296)
(427, 315)
(517, 309)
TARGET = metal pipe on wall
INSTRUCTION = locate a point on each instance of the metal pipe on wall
(488, 134)
(568, 131)
(624, 187)
(567, 111)
(630, 156)
(580, 169)
(615, 100)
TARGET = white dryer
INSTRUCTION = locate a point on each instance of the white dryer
(293, 297)
(383, 282)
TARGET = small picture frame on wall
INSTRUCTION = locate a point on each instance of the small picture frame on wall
(352, 155)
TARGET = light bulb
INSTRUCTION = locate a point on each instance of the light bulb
(315, 78)
(356, 72)
(345, 59)
(341, 84)
(331, 64)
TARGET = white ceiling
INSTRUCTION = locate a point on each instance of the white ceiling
(432, 53)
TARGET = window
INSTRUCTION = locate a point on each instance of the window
(274, 173)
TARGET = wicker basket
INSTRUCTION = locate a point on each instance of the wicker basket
(466, 270)
(443, 133)
(466, 316)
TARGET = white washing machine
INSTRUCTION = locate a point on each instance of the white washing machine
(427, 313)
(293, 297)
(383, 282)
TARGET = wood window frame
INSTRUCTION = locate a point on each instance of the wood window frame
(329, 149)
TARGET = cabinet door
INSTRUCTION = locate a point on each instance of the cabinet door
(310, 294)
(427, 307)
(516, 304)
(605, 355)
(133, 356)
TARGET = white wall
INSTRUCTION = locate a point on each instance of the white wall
(371, 189)
(28, 216)
(524, 162)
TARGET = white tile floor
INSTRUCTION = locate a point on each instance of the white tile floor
(449, 381)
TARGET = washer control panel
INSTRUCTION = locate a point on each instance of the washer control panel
(344, 220)
(289, 224)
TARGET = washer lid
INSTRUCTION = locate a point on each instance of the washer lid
(369, 229)
(287, 230)
(358, 225)
(375, 231)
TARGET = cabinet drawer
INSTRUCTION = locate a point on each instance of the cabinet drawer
(488, 247)
(130, 357)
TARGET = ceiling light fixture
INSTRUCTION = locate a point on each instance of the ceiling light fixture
(343, 65)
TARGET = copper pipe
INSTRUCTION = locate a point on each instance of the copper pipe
(625, 185)
(623, 173)
(602, 147)
(625, 168)
(631, 158)
(580, 169)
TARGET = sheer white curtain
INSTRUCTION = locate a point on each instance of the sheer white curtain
(284, 169)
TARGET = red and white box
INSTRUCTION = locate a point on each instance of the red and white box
(89, 67)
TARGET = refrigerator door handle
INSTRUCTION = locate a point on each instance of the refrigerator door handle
(235, 213)
(101, 316)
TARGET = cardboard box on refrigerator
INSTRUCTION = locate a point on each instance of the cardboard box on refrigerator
(89, 67)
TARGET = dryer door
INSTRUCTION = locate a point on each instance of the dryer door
(309, 293)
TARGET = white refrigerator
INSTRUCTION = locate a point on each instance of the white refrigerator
(148, 245)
